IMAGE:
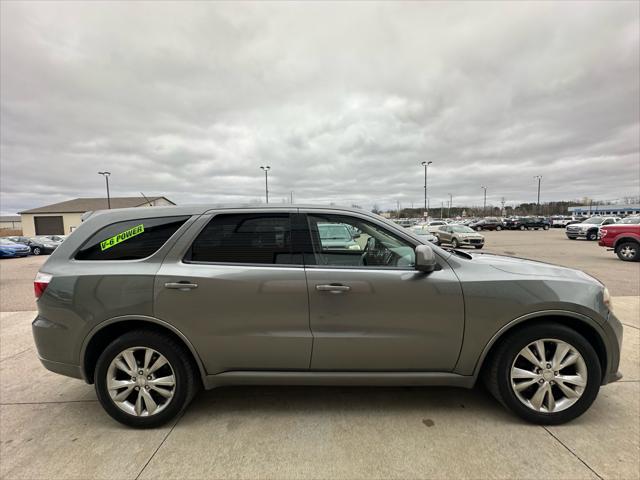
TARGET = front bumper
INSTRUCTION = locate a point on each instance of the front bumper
(614, 332)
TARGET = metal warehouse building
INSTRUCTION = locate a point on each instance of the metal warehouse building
(617, 210)
(10, 223)
(61, 218)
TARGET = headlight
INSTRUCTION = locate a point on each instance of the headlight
(606, 299)
(354, 247)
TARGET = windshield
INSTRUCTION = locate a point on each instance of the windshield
(42, 239)
(594, 220)
(334, 232)
(4, 241)
(461, 229)
(631, 220)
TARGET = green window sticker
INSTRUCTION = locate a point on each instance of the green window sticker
(121, 237)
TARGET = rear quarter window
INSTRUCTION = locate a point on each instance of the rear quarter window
(131, 239)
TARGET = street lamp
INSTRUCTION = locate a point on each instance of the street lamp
(426, 170)
(539, 177)
(106, 177)
(484, 208)
(266, 169)
(450, 203)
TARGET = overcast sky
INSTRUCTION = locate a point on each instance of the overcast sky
(343, 101)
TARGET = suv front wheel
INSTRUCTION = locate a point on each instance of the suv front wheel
(144, 379)
(545, 373)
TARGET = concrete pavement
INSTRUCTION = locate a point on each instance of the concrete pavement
(53, 427)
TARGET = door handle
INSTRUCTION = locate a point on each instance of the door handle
(182, 286)
(333, 288)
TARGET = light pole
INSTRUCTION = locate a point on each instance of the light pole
(450, 202)
(106, 177)
(539, 177)
(484, 208)
(266, 169)
(426, 172)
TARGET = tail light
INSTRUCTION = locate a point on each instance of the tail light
(40, 283)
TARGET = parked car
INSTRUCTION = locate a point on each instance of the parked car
(12, 249)
(560, 221)
(623, 238)
(150, 304)
(488, 223)
(37, 245)
(424, 234)
(459, 236)
(528, 223)
(589, 228)
(434, 225)
(337, 237)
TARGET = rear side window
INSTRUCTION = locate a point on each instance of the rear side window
(130, 240)
(254, 238)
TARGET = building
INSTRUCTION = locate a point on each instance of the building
(12, 222)
(619, 210)
(61, 218)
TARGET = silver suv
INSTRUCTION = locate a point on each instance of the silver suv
(152, 304)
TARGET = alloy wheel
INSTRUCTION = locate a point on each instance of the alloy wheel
(141, 381)
(548, 375)
(628, 252)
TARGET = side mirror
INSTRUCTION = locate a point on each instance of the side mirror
(425, 259)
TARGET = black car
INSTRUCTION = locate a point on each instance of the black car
(489, 223)
(38, 246)
(528, 223)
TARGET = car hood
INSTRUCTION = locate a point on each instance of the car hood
(14, 247)
(469, 235)
(521, 266)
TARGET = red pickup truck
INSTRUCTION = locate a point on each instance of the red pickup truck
(623, 238)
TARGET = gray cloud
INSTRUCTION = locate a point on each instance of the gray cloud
(343, 100)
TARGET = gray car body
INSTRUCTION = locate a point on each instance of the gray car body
(257, 324)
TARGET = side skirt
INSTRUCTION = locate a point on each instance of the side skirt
(354, 379)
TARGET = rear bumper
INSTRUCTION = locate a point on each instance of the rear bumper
(614, 331)
(65, 369)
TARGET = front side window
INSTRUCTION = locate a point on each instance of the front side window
(253, 238)
(342, 241)
(131, 239)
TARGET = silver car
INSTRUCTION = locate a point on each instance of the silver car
(459, 236)
(152, 304)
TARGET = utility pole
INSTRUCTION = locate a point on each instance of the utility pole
(266, 169)
(502, 202)
(484, 208)
(426, 172)
(397, 208)
(291, 196)
(106, 177)
(539, 177)
(441, 208)
(450, 203)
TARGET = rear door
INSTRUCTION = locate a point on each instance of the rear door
(235, 287)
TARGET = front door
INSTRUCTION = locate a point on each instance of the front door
(370, 310)
(239, 293)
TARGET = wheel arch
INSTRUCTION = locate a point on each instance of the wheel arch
(583, 325)
(107, 331)
(625, 238)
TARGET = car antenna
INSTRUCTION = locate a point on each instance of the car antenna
(145, 197)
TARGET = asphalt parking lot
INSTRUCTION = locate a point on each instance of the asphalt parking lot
(53, 427)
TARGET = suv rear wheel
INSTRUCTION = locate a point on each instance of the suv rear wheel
(144, 379)
(545, 373)
(628, 252)
(592, 235)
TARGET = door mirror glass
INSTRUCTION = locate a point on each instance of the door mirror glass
(425, 259)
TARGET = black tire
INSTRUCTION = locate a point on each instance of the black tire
(498, 228)
(628, 251)
(454, 243)
(36, 250)
(497, 372)
(592, 235)
(187, 383)
(478, 229)
(478, 247)
(522, 227)
(546, 227)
